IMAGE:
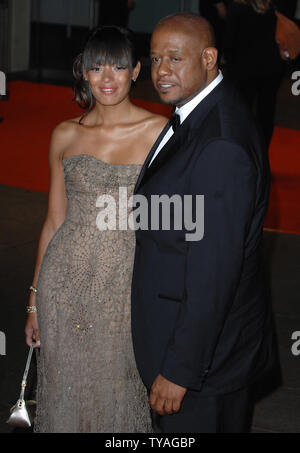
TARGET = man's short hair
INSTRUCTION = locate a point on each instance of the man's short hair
(195, 19)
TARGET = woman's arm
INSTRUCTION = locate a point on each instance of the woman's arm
(57, 206)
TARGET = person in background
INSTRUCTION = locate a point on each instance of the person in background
(115, 12)
(286, 7)
(215, 12)
(253, 59)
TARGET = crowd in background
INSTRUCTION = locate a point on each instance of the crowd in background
(245, 36)
(245, 31)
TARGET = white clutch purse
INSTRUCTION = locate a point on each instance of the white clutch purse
(22, 413)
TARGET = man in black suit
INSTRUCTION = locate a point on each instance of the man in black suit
(200, 320)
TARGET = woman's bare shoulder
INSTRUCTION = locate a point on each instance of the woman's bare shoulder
(159, 120)
(63, 135)
(154, 121)
(151, 117)
(66, 129)
(151, 125)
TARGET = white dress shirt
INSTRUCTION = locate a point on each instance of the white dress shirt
(186, 109)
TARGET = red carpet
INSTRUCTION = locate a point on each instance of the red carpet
(34, 109)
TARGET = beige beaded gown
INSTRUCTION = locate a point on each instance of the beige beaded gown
(87, 376)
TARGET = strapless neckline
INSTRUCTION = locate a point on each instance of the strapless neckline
(89, 156)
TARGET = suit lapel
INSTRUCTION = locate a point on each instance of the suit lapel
(150, 155)
(183, 135)
(171, 147)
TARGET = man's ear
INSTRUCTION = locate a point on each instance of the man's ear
(136, 71)
(210, 57)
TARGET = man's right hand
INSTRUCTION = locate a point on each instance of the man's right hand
(166, 396)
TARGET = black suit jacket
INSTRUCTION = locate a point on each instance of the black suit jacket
(199, 311)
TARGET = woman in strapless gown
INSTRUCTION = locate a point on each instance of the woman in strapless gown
(87, 377)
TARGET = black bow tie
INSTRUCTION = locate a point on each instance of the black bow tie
(175, 121)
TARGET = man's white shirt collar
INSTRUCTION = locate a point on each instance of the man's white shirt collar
(187, 108)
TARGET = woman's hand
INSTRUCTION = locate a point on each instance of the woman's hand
(32, 331)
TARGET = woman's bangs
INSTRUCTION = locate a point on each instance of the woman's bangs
(112, 53)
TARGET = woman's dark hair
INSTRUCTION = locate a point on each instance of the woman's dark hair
(105, 45)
